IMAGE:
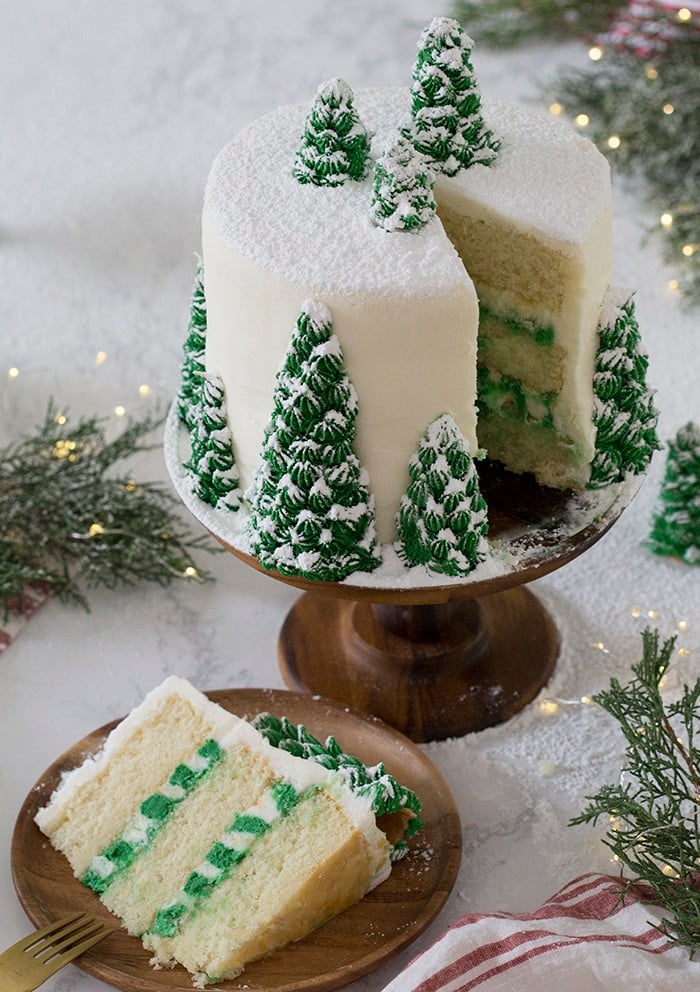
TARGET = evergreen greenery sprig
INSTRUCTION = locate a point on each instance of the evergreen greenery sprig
(625, 96)
(654, 810)
(69, 520)
(506, 23)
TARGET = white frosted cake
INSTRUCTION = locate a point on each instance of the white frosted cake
(475, 294)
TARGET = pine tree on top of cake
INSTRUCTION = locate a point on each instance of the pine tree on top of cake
(446, 121)
(312, 513)
(192, 367)
(211, 462)
(624, 414)
(402, 197)
(442, 519)
(676, 524)
(335, 144)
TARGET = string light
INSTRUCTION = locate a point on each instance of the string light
(587, 700)
(556, 109)
(689, 250)
(144, 390)
(548, 706)
(119, 411)
(130, 487)
(191, 572)
(595, 53)
(666, 218)
(64, 449)
(682, 626)
(653, 614)
(60, 419)
(651, 72)
(668, 109)
(96, 529)
(635, 611)
(100, 358)
(614, 141)
(582, 120)
(13, 372)
(684, 14)
(673, 284)
(601, 647)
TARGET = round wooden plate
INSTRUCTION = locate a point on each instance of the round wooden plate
(344, 949)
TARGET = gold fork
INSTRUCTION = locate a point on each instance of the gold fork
(30, 961)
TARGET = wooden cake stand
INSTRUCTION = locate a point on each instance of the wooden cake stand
(440, 660)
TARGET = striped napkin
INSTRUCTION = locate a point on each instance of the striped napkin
(583, 939)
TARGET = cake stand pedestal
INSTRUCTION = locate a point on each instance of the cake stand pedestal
(438, 658)
(441, 660)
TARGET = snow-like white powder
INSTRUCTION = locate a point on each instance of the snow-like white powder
(546, 178)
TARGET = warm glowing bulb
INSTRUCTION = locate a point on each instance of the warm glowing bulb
(556, 109)
(673, 284)
(100, 358)
(13, 372)
(96, 529)
(668, 109)
(144, 390)
(666, 219)
(595, 54)
(651, 72)
(119, 411)
(653, 614)
(684, 652)
(635, 611)
(60, 419)
(614, 141)
(548, 706)
(586, 700)
(689, 250)
(684, 14)
(582, 120)
(190, 572)
(682, 625)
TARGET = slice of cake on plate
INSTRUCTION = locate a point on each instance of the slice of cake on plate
(213, 845)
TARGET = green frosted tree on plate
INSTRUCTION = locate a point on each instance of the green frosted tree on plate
(624, 414)
(312, 513)
(211, 462)
(446, 121)
(675, 528)
(442, 519)
(402, 195)
(192, 367)
(335, 144)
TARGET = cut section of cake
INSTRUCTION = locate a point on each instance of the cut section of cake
(214, 846)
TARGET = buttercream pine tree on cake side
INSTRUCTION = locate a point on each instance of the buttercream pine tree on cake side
(624, 414)
(676, 525)
(442, 519)
(335, 144)
(192, 368)
(446, 122)
(212, 461)
(402, 193)
(312, 513)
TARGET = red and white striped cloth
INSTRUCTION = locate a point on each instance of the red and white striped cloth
(33, 599)
(581, 940)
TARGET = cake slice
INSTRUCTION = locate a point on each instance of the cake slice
(213, 845)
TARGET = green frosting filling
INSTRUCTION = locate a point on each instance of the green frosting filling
(507, 397)
(542, 335)
(223, 856)
(386, 795)
(153, 812)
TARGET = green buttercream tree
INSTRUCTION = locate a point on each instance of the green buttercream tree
(192, 368)
(402, 196)
(312, 513)
(335, 143)
(446, 119)
(676, 525)
(624, 414)
(442, 519)
(212, 463)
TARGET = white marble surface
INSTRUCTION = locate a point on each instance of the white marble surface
(111, 115)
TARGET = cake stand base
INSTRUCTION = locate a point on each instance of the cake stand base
(432, 671)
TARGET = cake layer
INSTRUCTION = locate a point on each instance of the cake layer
(310, 865)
